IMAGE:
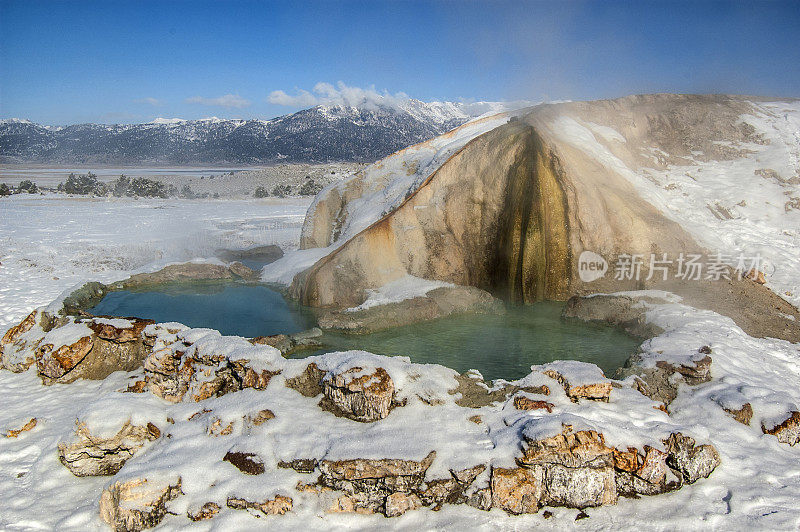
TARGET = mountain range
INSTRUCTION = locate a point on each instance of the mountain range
(324, 133)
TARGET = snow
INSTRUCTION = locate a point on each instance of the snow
(407, 287)
(118, 323)
(762, 222)
(51, 244)
(67, 335)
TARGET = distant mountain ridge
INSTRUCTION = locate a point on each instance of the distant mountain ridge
(324, 133)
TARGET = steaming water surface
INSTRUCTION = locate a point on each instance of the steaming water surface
(499, 346)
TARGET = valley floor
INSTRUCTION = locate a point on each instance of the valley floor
(51, 244)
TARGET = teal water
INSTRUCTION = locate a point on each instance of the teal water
(235, 309)
(499, 346)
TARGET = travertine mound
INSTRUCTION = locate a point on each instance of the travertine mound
(513, 209)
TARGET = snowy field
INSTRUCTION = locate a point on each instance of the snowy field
(50, 244)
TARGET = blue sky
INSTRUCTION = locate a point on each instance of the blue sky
(115, 61)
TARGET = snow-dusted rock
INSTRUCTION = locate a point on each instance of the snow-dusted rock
(13, 353)
(201, 364)
(276, 506)
(787, 431)
(138, 504)
(691, 461)
(580, 380)
(361, 394)
(207, 511)
(576, 468)
(517, 490)
(85, 454)
(370, 481)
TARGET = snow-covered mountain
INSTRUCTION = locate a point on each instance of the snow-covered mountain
(324, 133)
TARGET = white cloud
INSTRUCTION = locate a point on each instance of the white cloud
(228, 100)
(341, 94)
(155, 102)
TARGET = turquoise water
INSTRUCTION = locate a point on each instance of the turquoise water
(499, 346)
(235, 309)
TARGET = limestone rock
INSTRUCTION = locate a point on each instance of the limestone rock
(15, 352)
(526, 403)
(576, 468)
(277, 506)
(291, 343)
(788, 431)
(30, 425)
(176, 374)
(308, 383)
(369, 481)
(109, 329)
(53, 362)
(743, 414)
(518, 490)
(207, 511)
(88, 455)
(137, 504)
(399, 503)
(691, 461)
(641, 475)
(695, 372)
(597, 390)
(247, 463)
(301, 465)
(360, 395)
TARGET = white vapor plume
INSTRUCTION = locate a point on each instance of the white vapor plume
(228, 100)
(341, 94)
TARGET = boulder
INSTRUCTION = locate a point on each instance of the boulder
(359, 394)
(481, 499)
(368, 482)
(518, 490)
(91, 349)
(576, 469)
(277, 506)
(16, 348)
(450, 490)
(691, 461)
(291, 343)
(54, 362)
(207, 511)
(247, 463)
(743, 414)
(787, 431)
(179, 373)
(88, 455)
(526, 403)
(580, 380)
(137, 504)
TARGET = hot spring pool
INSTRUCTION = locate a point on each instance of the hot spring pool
(499, 346)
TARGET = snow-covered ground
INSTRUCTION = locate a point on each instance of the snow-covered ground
(49, 244)
(746, 205)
